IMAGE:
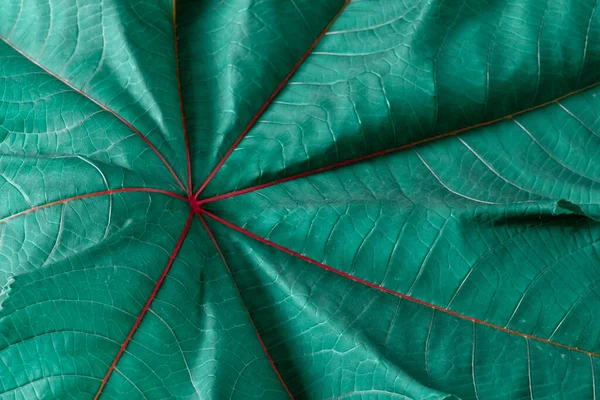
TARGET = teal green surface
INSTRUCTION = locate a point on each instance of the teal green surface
(322, 329)
(460, 263)
(120, 53)
(490, 223)
(390, 73)
(197, 341)
(247, 48)
(77, 284)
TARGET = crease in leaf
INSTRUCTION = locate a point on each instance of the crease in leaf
(5, 292)
(567, 207)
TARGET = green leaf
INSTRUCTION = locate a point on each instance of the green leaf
(299, 199)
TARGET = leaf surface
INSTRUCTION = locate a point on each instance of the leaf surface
(290, 199)
(390, 74)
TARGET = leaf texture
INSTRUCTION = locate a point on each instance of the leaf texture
(363, 199)
(390, 74)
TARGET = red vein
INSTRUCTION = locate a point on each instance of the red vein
(397, 294)
(387, 151)
(95, 194)
(105, 108)
(212, 237)
(185, 133)
(147, 305)
(269, 100)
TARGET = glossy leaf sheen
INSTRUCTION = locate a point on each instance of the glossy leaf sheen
(299, 199)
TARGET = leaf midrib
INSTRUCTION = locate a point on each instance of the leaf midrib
(393, 149)
(392, 292)
(99, 104)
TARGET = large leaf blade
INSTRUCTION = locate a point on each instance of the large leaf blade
(119, 54)
(196, 340)
(424, 222)
(375, 345)
(446, 224)
(388, 75)
(63, 322)
(247, 51)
